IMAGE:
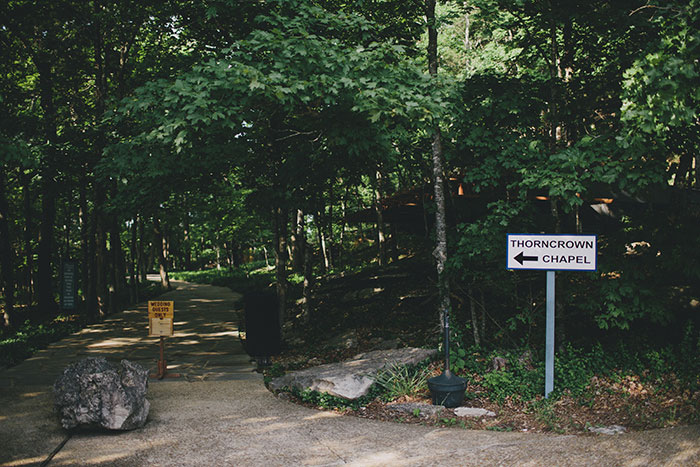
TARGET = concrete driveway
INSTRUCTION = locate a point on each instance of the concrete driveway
(218, 412)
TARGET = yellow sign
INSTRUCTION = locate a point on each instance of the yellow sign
(160, 309)
(160, 327)
(160, 318)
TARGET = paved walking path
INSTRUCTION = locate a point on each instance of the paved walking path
(219, 412)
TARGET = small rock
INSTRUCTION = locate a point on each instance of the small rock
(608, 430)
(499, 363)
(96, 393)
(473, 412)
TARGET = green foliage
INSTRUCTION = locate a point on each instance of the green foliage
(32, 337)
(544, 412)
(518, 383)
(401, 380)
(235, 279)
(312, 71)
(322, 399)
(661, 97)
(688, 356)
(613, 136)
(574, 368)
(499, 428)
(328, 401)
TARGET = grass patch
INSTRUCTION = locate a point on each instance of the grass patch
(237, 279)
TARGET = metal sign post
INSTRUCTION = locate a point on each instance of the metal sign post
(549, 339)
(551, 253)
(160, 324)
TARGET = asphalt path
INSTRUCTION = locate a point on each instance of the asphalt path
(218, 411)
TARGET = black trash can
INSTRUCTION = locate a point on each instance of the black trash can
(262, 328)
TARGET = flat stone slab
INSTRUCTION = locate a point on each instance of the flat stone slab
(350, 379)
(607, 430)
(473, 412)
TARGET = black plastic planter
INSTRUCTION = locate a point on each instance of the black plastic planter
(447, 389)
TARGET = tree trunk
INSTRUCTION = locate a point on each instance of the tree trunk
(394, 242)
(6, 254)
(217, 249)
(142, 257)
(378, 209)
(133, 262)
(328, 224)
(483, 314)
(683, 176)
(322, 241)
(68, 221)
(119, 264)
(84, 242)
(28, 251)
(101, 259)
(114, 279)
(186, 246)
(281, 262)
(440, 252)
(47, 303)
(475, 320)
(308, 282)
(267, 258)
(343, 224)
(151, 256)
(161, 246)
(298, 241)
(91, 265)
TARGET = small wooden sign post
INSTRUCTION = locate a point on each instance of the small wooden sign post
(160, 324)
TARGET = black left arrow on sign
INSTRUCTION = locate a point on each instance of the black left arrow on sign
(522, 258)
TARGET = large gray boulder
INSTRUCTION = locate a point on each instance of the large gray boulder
(350, 379)
(94, 393)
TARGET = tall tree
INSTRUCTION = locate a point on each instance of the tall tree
(440, 251)
(6, 254)
(289, 92)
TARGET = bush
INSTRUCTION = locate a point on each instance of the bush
(517, 382)
(401, 380)
(328, 401)
(31, 337)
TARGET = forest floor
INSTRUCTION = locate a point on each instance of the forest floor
(364, 311)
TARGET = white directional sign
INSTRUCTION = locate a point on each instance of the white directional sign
(552, 252)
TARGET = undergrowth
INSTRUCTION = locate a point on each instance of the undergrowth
(238, 279)
(32, 337)
(523, 379)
